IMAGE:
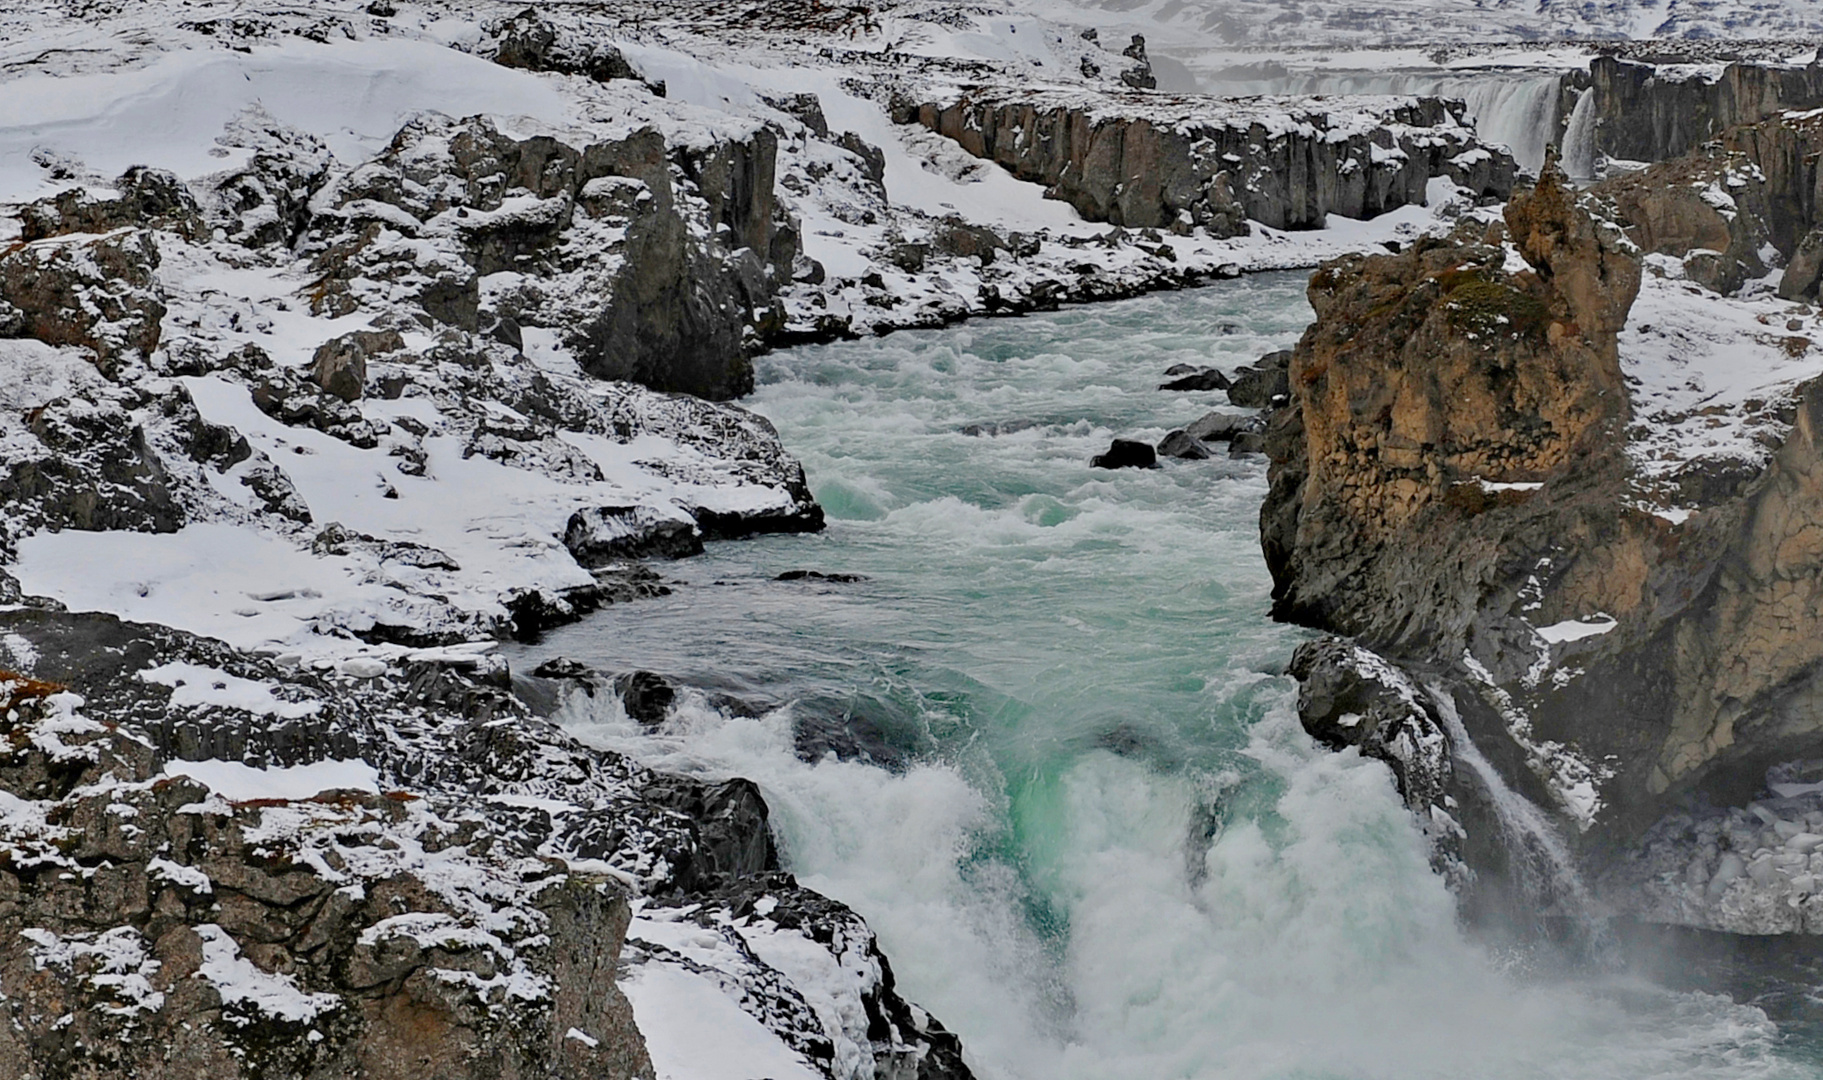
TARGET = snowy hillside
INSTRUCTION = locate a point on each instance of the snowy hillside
(1190, 23)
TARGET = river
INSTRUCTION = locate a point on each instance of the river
(1071, 795)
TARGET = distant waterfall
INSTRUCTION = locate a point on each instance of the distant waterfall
(1518, 111)
(1579, 139)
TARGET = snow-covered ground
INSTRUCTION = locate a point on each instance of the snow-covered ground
(1715, 380)
(1430, 22)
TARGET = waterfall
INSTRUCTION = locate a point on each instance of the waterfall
(1541, 861)
(1579, 139)
(1517, 111)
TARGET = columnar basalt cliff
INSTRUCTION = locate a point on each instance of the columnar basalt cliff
(1159, 161)
(1648, 112)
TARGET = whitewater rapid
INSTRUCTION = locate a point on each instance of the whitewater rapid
(1077, 806)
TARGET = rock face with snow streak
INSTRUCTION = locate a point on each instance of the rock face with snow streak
(1154, 161)
(1435, 397)
(1732, 206)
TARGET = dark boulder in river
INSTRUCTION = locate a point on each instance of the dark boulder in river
(647, 696)
(1126, 454)
(1197, 379)
(1257, 387)
(1179, 444)
(1221, 426)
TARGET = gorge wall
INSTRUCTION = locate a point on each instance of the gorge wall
(1647, 112)
(1154, 161)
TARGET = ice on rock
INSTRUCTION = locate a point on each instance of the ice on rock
(245, 989)
(197, 686)
(362, 667)
(1727, 870)
(238, 781)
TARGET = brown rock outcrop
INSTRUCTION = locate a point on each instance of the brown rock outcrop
(1713, 209)
(1433, 387)
(339, 365)
(1726, 207)
(142, 197)
(94, 291)
(1452, 481)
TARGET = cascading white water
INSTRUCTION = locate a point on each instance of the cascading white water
(1539, 853)
(1518, 111)
(1579, 139)
(1100, 847)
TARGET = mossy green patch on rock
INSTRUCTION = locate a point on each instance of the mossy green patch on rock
(1479, 303)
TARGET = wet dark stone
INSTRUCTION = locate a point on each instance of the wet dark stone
(998, 427)
(1247, 442)
(1256, 387)
(1199, 379)
(818, 575)
(562, 667)
(845, 734)
(1222, 427)
(647, 696)
(1180, 444)
(1126, 454)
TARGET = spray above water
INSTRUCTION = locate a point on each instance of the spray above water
(1084, 820)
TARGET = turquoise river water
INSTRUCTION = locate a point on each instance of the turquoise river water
(1087, 827)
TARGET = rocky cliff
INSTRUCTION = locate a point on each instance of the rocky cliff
(367, 929)
(1605, 613)
(1160, 161)
(347, 423)
(220, 864)
(1653, 112)
(657, 264)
